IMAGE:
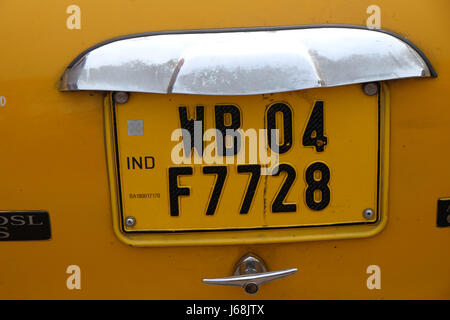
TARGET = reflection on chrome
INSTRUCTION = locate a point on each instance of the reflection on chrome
(245, 62)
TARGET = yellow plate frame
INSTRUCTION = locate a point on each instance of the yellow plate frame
(252, 236)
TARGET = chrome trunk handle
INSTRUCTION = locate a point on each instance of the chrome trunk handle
(250, 273)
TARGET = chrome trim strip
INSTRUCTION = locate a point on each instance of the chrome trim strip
(245, 61)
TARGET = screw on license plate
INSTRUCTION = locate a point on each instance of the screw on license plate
(130, 221)
(370, 88)
(368, 213)
(121, 97)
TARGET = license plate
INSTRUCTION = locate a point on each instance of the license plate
(191, 164)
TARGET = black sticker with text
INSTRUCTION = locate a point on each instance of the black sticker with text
(24, 225)
(443, 213)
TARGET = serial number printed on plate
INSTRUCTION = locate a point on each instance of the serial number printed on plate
(297, 159)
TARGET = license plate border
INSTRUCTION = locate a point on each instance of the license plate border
(249, 235)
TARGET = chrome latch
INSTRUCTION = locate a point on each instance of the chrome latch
(250, 273)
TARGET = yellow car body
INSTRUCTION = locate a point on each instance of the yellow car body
(56, 157)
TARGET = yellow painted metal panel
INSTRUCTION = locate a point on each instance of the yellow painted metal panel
(53, 158)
